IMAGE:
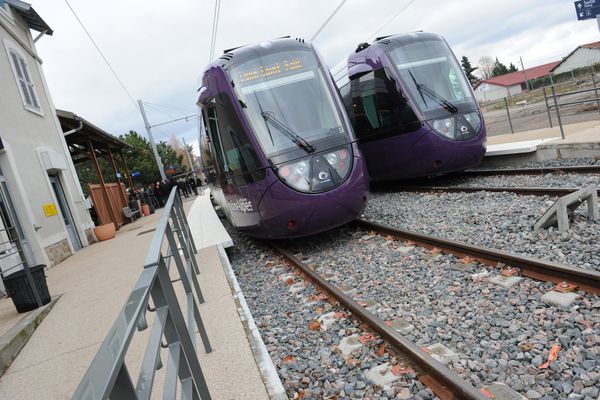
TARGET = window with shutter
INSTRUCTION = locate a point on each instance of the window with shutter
(24, 81)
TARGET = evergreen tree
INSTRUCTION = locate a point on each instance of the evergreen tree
(512, 68)
(468, 68)
(499, 68)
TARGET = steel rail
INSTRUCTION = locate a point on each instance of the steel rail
(534, 171)
(532, 267)
(444, 382)
(534, 191)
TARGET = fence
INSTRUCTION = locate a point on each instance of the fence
(535, 109)
(108, 375)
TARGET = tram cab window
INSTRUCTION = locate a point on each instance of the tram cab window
(376, 107)
(233, 149)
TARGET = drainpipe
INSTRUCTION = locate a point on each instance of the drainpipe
(80, 127)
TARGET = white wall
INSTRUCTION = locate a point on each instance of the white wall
(580, 58)
(25, 135)
(490, 92)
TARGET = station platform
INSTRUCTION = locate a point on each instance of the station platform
(581, 140)
(93, 286)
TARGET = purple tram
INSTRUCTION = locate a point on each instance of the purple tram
(277, 145)
(412, 108)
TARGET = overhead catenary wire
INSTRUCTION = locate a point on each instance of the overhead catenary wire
(213, 38)
(327, 20)
(103, 56)
(391, 19)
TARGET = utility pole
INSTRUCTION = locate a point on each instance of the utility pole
(189, 157)
(156, 155)
(523, 68)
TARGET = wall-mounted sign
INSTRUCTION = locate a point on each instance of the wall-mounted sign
(49, 209)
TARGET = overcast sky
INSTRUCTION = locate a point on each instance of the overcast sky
(159, 48)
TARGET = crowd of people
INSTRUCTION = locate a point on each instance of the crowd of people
(156, 194)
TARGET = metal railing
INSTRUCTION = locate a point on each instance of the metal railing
(108, 375)
(556, 105)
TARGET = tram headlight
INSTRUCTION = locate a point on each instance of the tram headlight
(340, 161)
(458, 127)
(318, 173)
(473, 119)
(296, 174)
(444, 127)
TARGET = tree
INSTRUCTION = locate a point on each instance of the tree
(512, 68)
(485, 66)
(499, 68)
(468, 68)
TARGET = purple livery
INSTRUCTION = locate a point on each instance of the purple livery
(412, 108)
(278, 148)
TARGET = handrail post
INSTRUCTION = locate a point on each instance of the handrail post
(562, 132)
(547, 107)
(508, 113)
(596, 92)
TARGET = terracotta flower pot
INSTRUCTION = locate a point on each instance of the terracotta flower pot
(105, 232)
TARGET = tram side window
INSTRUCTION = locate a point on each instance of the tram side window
(215, 139)
(240, 158)
(378, 109)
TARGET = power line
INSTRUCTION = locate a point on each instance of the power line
(391, 19)
(102, 55)
(213, 39)
(327, 20)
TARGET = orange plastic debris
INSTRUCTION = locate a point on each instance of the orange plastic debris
(509, 271)
(565, 287)
(487, 393)
(466, 260)
(553, 355)
(366, 337)
(400, 370)
(289, 281)
(314, 325)
(288, 359)
(380, 351)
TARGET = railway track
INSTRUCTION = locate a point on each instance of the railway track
(532, 191)
(528, 266)
(533, 171)
(442, 381)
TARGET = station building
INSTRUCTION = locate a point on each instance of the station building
(42, 206)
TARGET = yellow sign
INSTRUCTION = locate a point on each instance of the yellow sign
(49, 209)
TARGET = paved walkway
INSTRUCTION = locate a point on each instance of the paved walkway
(574, 133)
(94, 284)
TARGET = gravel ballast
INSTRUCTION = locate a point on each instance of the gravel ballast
(498, 335)
(498, 220)
(308, 360)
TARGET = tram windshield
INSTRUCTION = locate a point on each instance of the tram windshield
(433, 77)
(287, 100)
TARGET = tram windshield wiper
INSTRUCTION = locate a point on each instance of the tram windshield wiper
(294, 137)
(422, 88)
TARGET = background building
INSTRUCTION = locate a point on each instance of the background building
(583, 56)
(39, 192)
(510, 84)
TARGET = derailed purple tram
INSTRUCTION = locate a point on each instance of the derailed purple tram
(413, 110)
(278, 147)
